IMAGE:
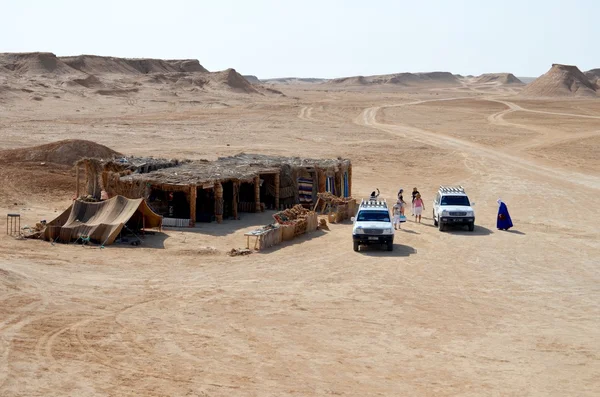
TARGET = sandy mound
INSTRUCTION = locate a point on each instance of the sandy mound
(251, 79)
(354, 80)
(402, 79)
(294, 80)
(93, 64)
(64, 152)
(89, 81)
(34, 63)
(498, 78)
(233, 81)
(561, 80)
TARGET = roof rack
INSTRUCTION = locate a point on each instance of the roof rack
(373, 203)
(452, 189)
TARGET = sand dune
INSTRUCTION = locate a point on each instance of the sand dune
(65, 152)
(404, 79)
(295, 80)
(561, 80)
(499, 78)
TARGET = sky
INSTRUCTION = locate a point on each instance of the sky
(326, 38)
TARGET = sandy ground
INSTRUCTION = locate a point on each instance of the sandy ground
(445, 314)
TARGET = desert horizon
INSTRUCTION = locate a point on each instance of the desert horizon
(445, 313)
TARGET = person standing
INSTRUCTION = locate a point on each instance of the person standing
(397, 211)
(402, 204)
(414, 194)
(418, 207)
(503, 221)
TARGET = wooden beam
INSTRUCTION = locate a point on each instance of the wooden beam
(193, 196)
(277, 184)
(236, 197)
(257, 193)
(350, 180)
(77, 181)
(219, 202)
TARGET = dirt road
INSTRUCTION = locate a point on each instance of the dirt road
(444, 314)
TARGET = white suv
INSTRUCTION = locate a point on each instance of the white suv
(373, 225)
(451, 206)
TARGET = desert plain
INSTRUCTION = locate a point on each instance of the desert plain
(455, 313)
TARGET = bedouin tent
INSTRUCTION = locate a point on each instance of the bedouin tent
(101, 222)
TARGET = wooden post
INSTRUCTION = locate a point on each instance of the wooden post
(277, 184)
(77, 181)
(193, 196)
(321, 177)
(350, 180)
(257, 193)
(219, 202)
(236, 195)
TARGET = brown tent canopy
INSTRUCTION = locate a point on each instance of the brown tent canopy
(101, 222)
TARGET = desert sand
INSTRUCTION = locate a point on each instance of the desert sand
(452, 313)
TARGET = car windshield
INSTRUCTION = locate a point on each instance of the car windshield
(455, 200)
(373, 216)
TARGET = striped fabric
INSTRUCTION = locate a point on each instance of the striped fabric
(305, 190)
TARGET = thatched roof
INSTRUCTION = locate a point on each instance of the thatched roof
(243, 167)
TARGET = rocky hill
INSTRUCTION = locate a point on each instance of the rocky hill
(561, 81)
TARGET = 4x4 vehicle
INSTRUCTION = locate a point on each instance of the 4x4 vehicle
(451, 206)
(372, 225)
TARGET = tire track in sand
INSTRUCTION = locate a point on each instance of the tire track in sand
(368, 118)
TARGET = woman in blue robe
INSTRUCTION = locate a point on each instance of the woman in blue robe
(503, 222)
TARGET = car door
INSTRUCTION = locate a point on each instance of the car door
(436, 203)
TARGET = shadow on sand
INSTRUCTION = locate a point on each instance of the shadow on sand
(462, 230)
(229, 226)
(380, 251)
(297, 240)
(514, 232)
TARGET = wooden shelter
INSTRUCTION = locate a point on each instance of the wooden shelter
(203, 191)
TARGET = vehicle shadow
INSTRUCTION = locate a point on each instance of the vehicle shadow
(400, 250)
(462, 230)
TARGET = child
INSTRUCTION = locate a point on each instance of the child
(419, 206)
(397, 211)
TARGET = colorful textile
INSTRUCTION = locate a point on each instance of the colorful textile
(305, 190)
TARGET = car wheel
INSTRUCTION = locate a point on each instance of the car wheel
(441, 226)
(356, 246)
(390, 246)
(435, 222)
(471, 227)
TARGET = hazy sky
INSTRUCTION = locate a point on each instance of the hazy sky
(326, 38)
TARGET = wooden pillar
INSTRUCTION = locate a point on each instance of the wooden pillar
(350, 180)
(277, 184)
(321, 180)
(219, 202)
(193, 195)
(77, 181)
(257, 193)
(236, 197)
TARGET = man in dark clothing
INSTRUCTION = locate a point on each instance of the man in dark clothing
(414, 195)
